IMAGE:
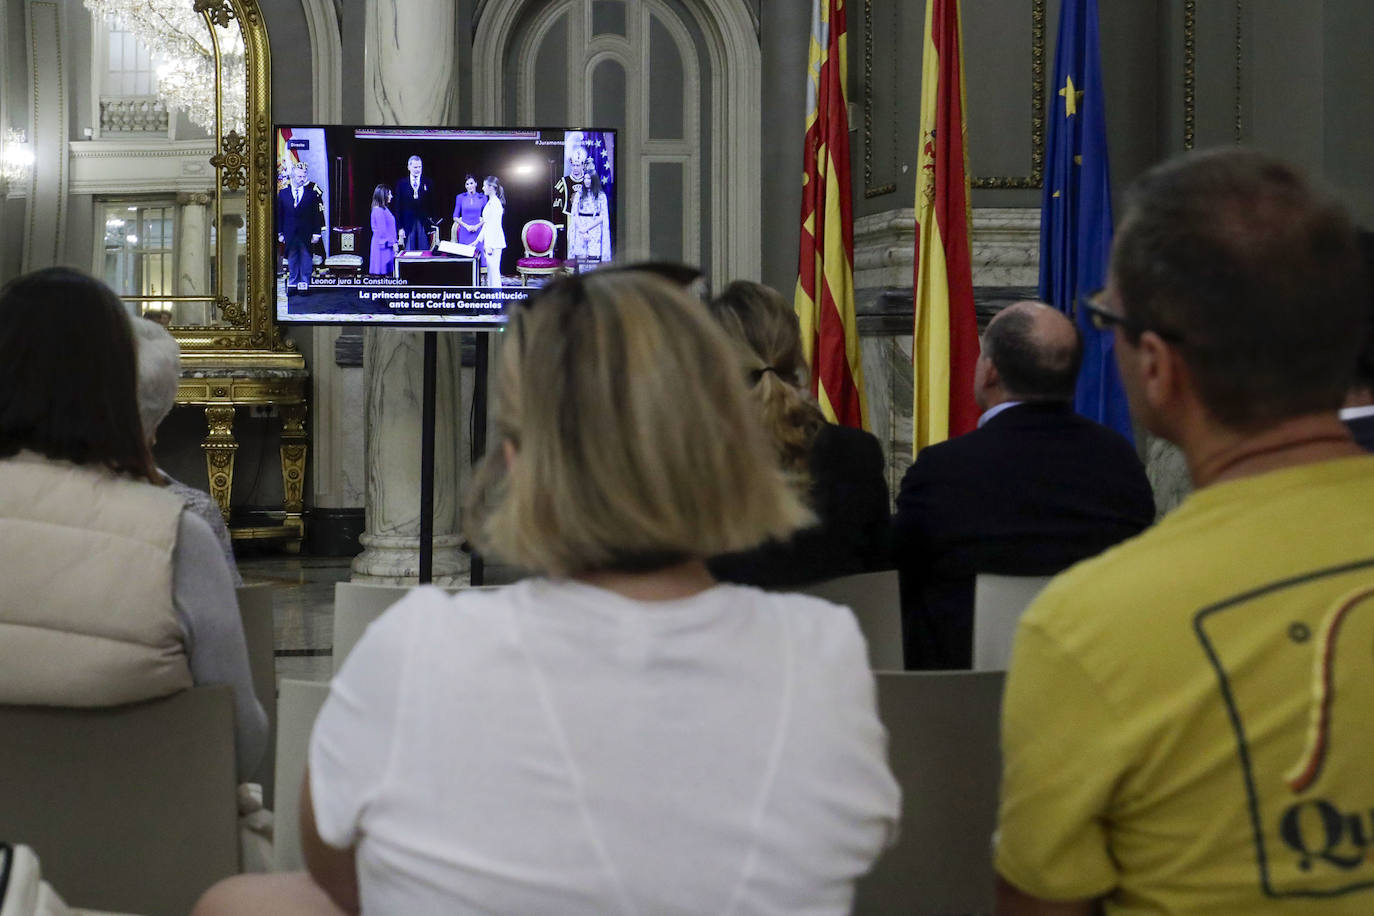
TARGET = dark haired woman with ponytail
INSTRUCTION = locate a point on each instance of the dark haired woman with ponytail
(839, 470)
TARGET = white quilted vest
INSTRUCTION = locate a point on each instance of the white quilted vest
(86, 615)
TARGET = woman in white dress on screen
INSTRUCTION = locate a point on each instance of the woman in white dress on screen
(590, 221)
(619, 734)
(491, 239)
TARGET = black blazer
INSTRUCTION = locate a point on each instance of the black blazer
(413, 212)
(1362, 428)
(849, 496)
(1032, 492)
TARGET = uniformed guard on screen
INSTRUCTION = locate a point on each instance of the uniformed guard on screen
(567, 186)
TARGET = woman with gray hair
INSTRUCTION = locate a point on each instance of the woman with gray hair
(159, 368)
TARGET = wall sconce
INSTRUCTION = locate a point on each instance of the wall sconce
(16, 158)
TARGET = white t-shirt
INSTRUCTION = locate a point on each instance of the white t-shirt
(555, 748)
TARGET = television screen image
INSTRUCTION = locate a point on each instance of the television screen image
(435, 226)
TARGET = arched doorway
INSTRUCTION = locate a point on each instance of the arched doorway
(678, 78)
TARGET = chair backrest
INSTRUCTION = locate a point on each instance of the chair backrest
(538, 238)
(129, 808)
(876, 602)
(943, 747)
(297, 707)
(998, 602)
(256, 611)
(357, 604)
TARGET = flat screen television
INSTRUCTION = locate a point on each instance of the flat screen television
(394, 225)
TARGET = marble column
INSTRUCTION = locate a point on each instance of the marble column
(192, 258)
(45, 238)
(227, 240)
(408, 66)
(1006, 256)
(338, 478)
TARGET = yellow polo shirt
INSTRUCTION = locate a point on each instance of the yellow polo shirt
(1189, 717)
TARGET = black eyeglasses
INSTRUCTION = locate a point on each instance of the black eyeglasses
(1104, 319)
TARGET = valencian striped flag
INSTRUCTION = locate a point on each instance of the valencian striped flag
(945, 348)
(825, 281)
(1076, 217)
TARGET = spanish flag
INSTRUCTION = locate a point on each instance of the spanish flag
(945, 347)
(825, 281)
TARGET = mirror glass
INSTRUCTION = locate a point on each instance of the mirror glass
(180, 256)
(227, 229)
(185, 82)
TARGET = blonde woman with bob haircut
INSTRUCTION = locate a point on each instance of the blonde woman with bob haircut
(620, 734)
(839, 470)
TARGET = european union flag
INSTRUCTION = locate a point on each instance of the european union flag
(1076, 217)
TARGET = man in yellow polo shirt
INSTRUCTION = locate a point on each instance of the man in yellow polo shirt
(1189, 718)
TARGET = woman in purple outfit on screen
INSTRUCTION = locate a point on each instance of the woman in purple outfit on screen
(383, 251)
(467, 211)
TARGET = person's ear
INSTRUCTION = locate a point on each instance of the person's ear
(1161, 369)
(991, 377)
(508, 451)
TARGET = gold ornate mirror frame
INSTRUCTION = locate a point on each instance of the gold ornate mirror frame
(245, 333)
(239, 358)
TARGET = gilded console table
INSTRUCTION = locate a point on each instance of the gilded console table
(221, 391)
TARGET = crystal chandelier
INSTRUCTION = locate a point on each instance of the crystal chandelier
(183, 53)
(16, 159)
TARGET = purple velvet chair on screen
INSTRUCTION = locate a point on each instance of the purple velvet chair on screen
(539, 237)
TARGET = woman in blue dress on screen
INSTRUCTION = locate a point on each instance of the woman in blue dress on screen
(491, 238)
(383, 250)
(467, 212)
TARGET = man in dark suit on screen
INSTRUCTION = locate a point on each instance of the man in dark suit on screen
(1033, 490)
(300, 220)
(412, 202)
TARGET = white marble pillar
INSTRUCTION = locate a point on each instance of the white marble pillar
(193, 261)
(227, 240)
(409, 80)
(1006, 253)
(45, 239)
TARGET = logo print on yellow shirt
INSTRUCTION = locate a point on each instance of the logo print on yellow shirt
(1302, 710)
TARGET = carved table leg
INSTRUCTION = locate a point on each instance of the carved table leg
(293, 451)
(220, 446)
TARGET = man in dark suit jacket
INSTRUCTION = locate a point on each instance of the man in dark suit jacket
(412, 200)
(1358, 412)
(1033, 490)
(300, 220)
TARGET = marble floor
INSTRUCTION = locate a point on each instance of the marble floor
(303, 606)
(303, 609)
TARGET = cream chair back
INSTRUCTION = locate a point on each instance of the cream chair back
(998, 602)
(876, 602)
(256, 610)
(129, 808)
(943, 748)
(356, 605)
(298, 704)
